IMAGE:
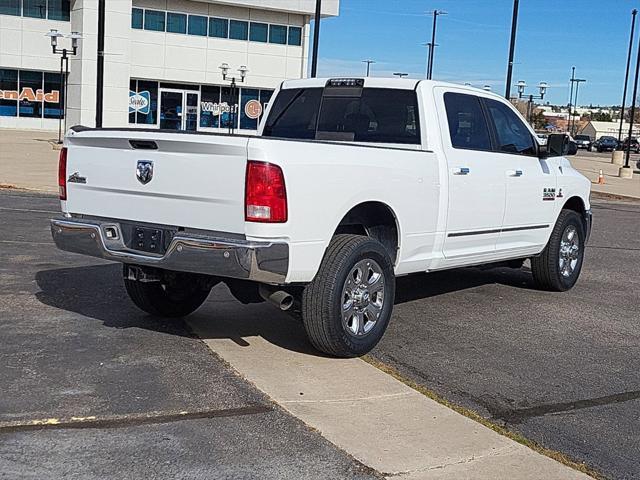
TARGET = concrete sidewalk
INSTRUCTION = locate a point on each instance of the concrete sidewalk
(590, 167)
(377, 419)
(29, 159)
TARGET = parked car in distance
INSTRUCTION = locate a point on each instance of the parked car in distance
(606, 144)
(350, 183)
(635, 146)
(583, 141)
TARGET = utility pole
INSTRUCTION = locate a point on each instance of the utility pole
(368, 62)
(632, 114)
(100, 66)
(577, 81)
(512, 48)
(634, 12)
(316, 39)
(433, 43)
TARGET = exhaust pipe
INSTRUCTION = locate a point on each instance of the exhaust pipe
(280, 298)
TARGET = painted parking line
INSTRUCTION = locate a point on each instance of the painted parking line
(372, 416)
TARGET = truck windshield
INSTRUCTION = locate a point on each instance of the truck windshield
(376, 115)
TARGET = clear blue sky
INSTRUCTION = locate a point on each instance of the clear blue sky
(552, 36)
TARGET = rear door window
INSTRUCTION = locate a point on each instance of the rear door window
(468, 127)
(372, 115)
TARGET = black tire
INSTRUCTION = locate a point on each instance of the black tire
(177, 295)
(546, 269)
(322, 299)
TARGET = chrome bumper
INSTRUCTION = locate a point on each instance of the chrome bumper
(265, 262)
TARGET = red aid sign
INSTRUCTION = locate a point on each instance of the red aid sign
(31, 96)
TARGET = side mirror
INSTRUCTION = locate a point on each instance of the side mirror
(558, 145)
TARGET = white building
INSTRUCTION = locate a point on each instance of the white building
(610, 129)
(162, 59)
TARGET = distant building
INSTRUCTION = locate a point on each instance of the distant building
(598, 129)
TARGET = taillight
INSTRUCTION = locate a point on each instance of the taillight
(265, 193)
(62, 173)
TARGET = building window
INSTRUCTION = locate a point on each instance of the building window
(278, 34)
(258, 32)
(137, 15)
(52, 83)
(30, 83)
(59, 10)
(238, 30)
(34, 8)
(10, 7)
(154, 20)
(141, 116)
(197, 25)
(210, 107)
(247, 123)
(176, 22)
(295, 36)
(8, 83)
(218, 27)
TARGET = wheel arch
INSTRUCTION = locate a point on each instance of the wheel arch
(576, 204)
(374, 219)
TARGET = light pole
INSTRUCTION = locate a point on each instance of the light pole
(433, 43)
(512, 48)
(75, 37)
(571, 80)
(542, 88)
(224, 67)
(401, 75)
(316, 39)
(634, 12)
(368, 62)
(430, 47)
(626, 171)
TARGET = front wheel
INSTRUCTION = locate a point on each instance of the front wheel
(558, 267)
(169, 294)
(347, 306)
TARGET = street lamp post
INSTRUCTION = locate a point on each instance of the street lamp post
(512, 48)
(368, 62)
(542, 88)
(316, 39)
(75, 37)
(224, 67)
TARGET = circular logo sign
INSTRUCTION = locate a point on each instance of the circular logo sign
(253, 109)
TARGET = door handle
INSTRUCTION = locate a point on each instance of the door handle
(461, 171)
(514, 173)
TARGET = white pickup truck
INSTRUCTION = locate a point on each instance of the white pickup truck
(349, 184)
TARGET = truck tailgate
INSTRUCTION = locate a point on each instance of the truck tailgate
(197, 180)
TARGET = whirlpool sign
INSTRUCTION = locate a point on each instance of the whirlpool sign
(140, 102)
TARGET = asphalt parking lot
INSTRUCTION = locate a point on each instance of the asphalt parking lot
(559, 368)
(123, 396)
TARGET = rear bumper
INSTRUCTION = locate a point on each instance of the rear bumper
(266, 262)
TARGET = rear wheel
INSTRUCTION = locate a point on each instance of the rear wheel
(165, 293)
(558, 267)
(347, 307)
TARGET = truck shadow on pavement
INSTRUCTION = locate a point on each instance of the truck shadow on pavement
(97, 292)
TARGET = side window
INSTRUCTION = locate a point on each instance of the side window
(467, 125)
(512, 134)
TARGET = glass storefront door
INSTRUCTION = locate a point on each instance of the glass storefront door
(179, 109)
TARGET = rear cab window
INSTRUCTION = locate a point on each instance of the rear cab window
(350, 114)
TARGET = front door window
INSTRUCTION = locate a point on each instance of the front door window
(191, 112)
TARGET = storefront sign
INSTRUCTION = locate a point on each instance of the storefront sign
(216, 108)
(139, 102)
(27, 94)
(253, 109)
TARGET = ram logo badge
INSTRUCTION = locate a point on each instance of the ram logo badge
(144, 171)
(76, 178)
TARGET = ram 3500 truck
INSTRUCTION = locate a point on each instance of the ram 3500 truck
(350, 183)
